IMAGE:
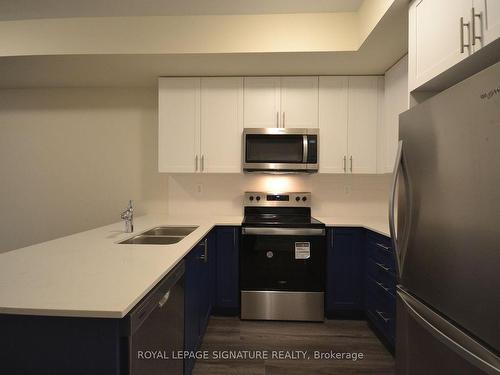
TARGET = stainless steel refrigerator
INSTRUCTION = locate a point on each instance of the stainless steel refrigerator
(446, 191)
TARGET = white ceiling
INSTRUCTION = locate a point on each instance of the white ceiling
(26, 9)
(384, 46)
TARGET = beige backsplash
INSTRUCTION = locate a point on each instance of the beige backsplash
(332, 195)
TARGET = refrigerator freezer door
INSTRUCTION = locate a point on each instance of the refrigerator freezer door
(451, 149)
(428, 344)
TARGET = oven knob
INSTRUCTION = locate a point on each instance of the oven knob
(269, 254)
(304, 199)
(297, 199)
(251, 197)
(258, 198)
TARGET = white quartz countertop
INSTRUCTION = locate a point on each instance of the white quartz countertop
(89, 274)
(375, 224)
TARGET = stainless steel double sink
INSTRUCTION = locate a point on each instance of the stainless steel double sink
(165, 235)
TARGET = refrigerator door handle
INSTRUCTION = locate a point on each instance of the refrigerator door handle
(392, 199)
(452, 337)
(399, 244)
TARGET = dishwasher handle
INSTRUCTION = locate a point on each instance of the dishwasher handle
(164, 299)
(155, 299)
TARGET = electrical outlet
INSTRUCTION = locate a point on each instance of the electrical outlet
(347, 190)
(199, 188)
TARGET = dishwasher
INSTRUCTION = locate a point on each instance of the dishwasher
(154, 329)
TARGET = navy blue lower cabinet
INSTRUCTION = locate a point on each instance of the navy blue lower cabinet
(345, 270)
(196, 298)
(61, 345)
(227, 290)
(204, 287)
(212, 264)
(380, 286)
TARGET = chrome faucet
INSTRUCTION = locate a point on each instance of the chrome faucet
(128, 216)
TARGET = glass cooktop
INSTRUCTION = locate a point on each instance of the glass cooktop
(281, 220)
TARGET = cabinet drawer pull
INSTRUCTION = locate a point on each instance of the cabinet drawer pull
(386, 248)
(383, 266)
(277, 119)
(351, 162)
(164, 299)
(382, 286)
(196, 163)
(345, 164)
(381, 315)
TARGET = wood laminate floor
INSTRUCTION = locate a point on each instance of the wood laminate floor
(225, 335)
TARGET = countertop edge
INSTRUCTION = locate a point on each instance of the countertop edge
(118, 314)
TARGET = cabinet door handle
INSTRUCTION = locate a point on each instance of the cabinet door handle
(473, 26)
(345, 164)
(283, 125)
(277, 119)
(204, 257)
(381, 314)
(462, 41)
(164, 299)
(202, 163)
(196, 163)
(351, 163)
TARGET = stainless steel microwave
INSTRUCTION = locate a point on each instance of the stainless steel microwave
(280, 150)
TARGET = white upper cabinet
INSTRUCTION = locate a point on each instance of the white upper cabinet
(201, 120)
(200, 125)
(333, 113)
(286, 102)
(364, 96)
(486, 22)
(262, 102)
(221, 124)
(396, 101)
(179, 124)
(350, 110)
(299, 102)
(445, 32)
(437, 40)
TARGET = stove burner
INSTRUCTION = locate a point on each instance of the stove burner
(293, 212)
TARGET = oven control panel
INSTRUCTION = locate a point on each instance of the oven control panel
(263, 199)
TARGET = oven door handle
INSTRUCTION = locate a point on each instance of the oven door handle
(283, 231)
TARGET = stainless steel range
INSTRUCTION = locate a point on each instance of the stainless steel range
(282, 258)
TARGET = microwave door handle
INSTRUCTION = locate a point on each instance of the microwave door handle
(305, 145)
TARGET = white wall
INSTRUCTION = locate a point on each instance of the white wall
(346, 196)
(182, 34)
(71, 158)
